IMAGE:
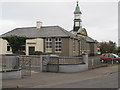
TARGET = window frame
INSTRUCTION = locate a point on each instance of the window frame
(48, 44)
(58, 45)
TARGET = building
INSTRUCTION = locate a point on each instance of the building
(54, 39)
(48, 39)
(87, 44)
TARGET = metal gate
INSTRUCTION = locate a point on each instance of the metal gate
(49, 63)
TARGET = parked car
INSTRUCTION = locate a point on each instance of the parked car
(109, 57)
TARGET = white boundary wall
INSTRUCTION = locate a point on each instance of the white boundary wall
(11, 75)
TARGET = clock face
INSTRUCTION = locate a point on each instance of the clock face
(76, 23)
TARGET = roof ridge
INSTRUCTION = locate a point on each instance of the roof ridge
(7, 32)
(65, 31)
(34, 27)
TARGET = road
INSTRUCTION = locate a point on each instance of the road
(109, 81)
(91, 78)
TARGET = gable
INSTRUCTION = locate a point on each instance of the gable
(83, 32)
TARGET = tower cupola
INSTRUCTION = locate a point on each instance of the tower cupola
(77, 9)
(77, 18)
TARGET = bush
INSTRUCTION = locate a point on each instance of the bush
(36, 53)
(20, 52)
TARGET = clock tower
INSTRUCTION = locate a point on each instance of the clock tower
(77, 20)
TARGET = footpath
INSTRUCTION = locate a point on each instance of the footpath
(46, 79)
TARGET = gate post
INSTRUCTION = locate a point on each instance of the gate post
(41, 63)
(85, 59)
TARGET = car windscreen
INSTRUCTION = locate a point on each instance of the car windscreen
(115, 55)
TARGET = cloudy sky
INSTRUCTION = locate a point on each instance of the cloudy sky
(99, 18)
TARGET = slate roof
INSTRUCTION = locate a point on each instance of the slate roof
(90, 40)
(44, 31)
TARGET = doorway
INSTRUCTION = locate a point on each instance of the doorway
(31, 50)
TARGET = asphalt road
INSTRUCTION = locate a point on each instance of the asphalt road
(106, 77)
(107, 81)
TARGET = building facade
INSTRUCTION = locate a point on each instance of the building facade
(54, 39)
(88, 45)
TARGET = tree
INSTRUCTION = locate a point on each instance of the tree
(108, 47)
(118, 49)
(16, 42)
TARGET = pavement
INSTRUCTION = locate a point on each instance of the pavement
(48, 79)
(106, 81)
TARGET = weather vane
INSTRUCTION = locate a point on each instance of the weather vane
(77, 2)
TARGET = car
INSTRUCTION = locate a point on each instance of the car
(109, 57)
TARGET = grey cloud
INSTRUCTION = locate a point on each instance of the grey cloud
(99, 15)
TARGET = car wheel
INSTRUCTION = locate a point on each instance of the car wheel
(117, 61)
(102, 61)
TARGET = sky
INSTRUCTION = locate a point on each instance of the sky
(99, 18)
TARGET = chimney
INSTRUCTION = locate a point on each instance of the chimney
(38, 24)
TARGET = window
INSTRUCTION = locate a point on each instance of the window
(106, 55)
(48, 44)
(58, 45)
(8, 47)
(76, 23)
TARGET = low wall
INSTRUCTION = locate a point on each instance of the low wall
(73, 68)
(55, 64)
(11, 75)
(67, 68)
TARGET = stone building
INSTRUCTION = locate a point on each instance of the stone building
(53, 39)
(87, 44)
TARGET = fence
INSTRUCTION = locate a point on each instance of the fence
(46, 63)
(24, 64)
(53, 63)
(94, 61)
(9, 67)
(9, 63)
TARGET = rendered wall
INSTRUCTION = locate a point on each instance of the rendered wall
(69, 67)
(37, 43)
(11, 75)
(72, 68)
(3, 47)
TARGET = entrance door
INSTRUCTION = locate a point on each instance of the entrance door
(31, 50)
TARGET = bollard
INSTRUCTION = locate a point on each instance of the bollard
(112, 61)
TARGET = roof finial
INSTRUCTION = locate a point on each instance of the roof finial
(77, 3)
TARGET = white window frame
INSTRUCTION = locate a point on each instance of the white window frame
(58, 45)
(48, 44)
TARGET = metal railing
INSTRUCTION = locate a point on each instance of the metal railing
(52, 63)
(94, 62)
(65, 60)
(9, 63)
